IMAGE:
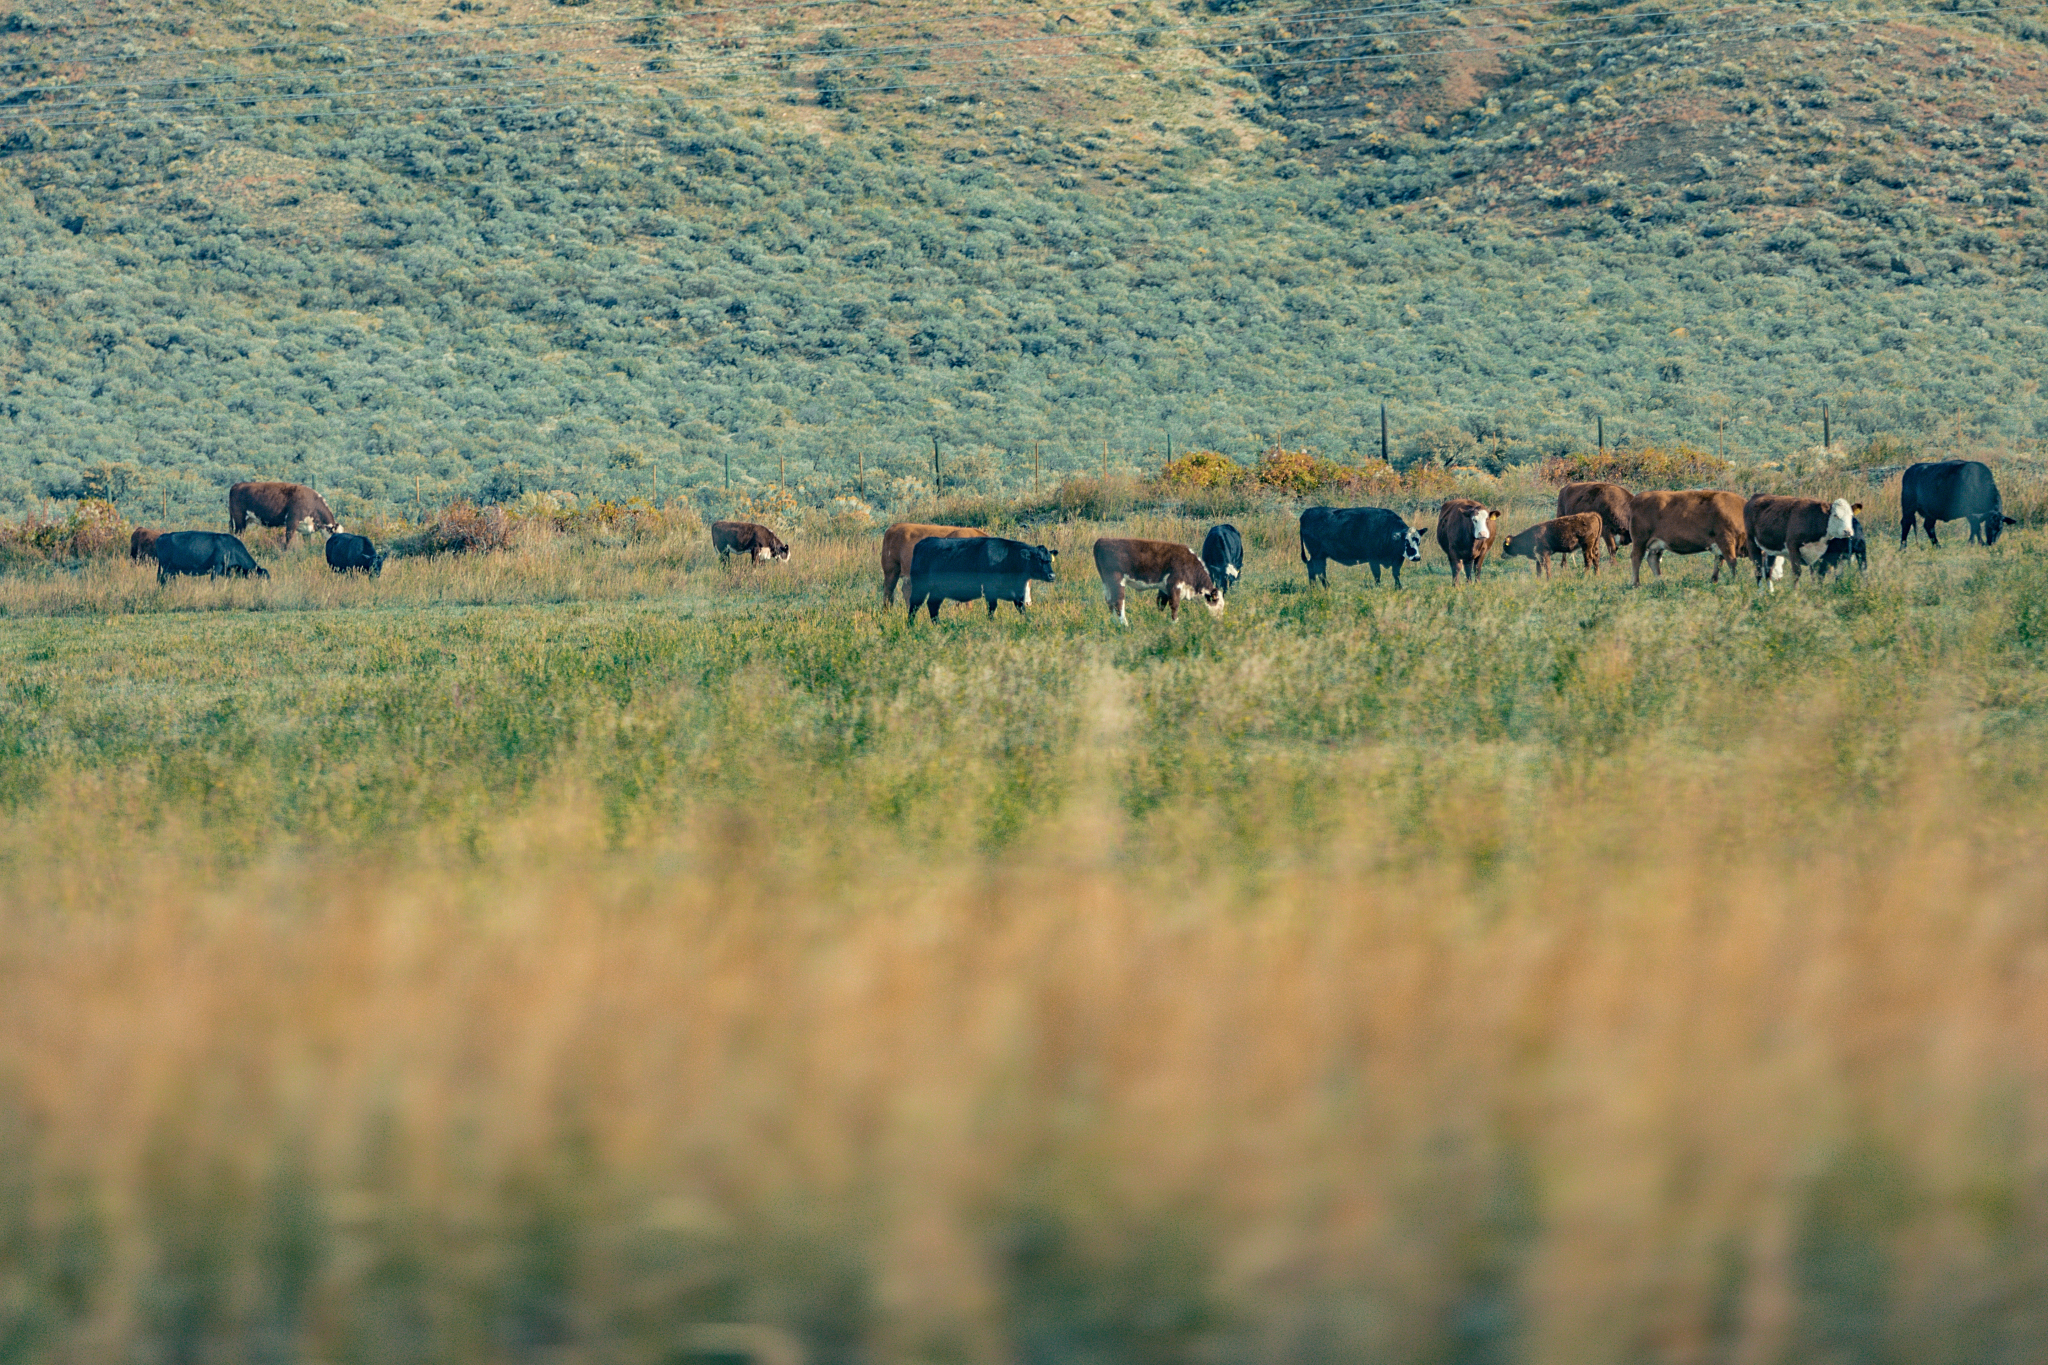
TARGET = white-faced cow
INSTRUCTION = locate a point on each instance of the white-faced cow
(1610, 500)
(293, 506)
(900, 540)
(1146, 565)
(1579, 532)
(1944, 490)
(203, 552)
(1798, 530)
(1357, 535)
(1684, 522)
(751, 539)
(1465, 532)
(946, 569)
(1223, 556)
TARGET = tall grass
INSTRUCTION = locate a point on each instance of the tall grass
(559, 948)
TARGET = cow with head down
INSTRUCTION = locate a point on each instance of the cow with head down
(1148, 565)
(142, 544)
(1465, 532)
(755, 542)
(293, 506)
(1795, 530)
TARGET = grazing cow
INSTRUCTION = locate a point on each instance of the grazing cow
(1357, 535)
(1149, 564)
(1841, 551)
(290, 505)
(1580, 531)
(1223, 556)
(947, 569)
(203, 552)
(1946, 489)
(1464, 531)
(900, 540)
(755, 541)
(142, 545)
(1610, 500)
(348, 554)
(1685, 523)
(1798, 529)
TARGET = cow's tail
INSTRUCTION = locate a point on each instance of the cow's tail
(1302, 541)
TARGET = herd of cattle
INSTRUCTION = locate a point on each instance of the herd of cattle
(939, 564)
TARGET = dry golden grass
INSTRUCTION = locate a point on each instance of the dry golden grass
(528, 956)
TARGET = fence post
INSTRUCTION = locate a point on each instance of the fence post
(938, 473)
(1105, 459)
(1600, 430)
(1034, 469)
(1825, 440)
(728, 469)
(1383, 435)
(862, 477)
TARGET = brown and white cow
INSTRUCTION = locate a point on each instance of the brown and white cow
(900, 541)
(748, 538)
(1795, 529)
(142, 544)
(1685, 523)
(1610, 500)
(290, 505)
(1465, 532)
(1175, 571)
(1579, 532)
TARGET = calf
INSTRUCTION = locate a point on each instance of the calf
(1357, 535)
(293, 506)
(755, 541)
(1841, 551)
(203, 552)
(1580, 531)
(1149, 564)
(1464, 531)
(900, 540)
(349, 554)
(1610, 500)
(1685, 523)
(1223, 556)
(947, 569)
(1947, 489)
(1796, 529)
(142, 545)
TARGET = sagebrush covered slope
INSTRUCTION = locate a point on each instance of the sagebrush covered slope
(297, 243)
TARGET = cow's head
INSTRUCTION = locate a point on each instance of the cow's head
(1994, 527)
(1410, 543)
(1842, 519)
(377, 563)
(1481, 531)
(1521, 545)
(1038, 563)
(1212, 598)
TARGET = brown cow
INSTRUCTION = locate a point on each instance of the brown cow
(1684, 523)
(1580, 531)
(1610, 500)
(1464, 532)
(751, 539)
(900, 540)
(142, 545)
(1174, 570)
(290, 505)
(1797, 529)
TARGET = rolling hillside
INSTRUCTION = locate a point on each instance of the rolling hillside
(414, 251)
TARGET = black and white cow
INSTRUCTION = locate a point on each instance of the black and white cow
(212, 553)
(1357, 535)
(1794, 530)
(1944, 490)
(1223, 556)
(1840, 551)
(988, 567)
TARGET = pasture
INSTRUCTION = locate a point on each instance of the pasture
(526, 956)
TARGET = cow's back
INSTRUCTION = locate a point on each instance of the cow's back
(901, 540)
(1609, 500)
(1686, 520)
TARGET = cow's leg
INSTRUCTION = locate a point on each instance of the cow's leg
(1376, 573)
(1905, 528)
(1113, 591)
(932, 606)
(889, 577)
(1932, 538)
(1976, 531)
(1635, 565)
(1319, 571)
(1397, 574)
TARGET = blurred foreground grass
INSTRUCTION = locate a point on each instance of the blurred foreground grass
(528, 957)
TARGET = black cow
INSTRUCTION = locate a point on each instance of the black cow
(1842, 549)
(1223, 556)
(1944, 490)
(347, 553)
(988, 567)
(1357, 535)
(213, 553)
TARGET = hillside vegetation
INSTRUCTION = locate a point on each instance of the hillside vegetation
(296, 242)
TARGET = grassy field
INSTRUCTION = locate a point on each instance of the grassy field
(526, 957)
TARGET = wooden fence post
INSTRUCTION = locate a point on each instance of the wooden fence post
(1384, 459)
(938, 473)
(1105, 459)
(1600, 433)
